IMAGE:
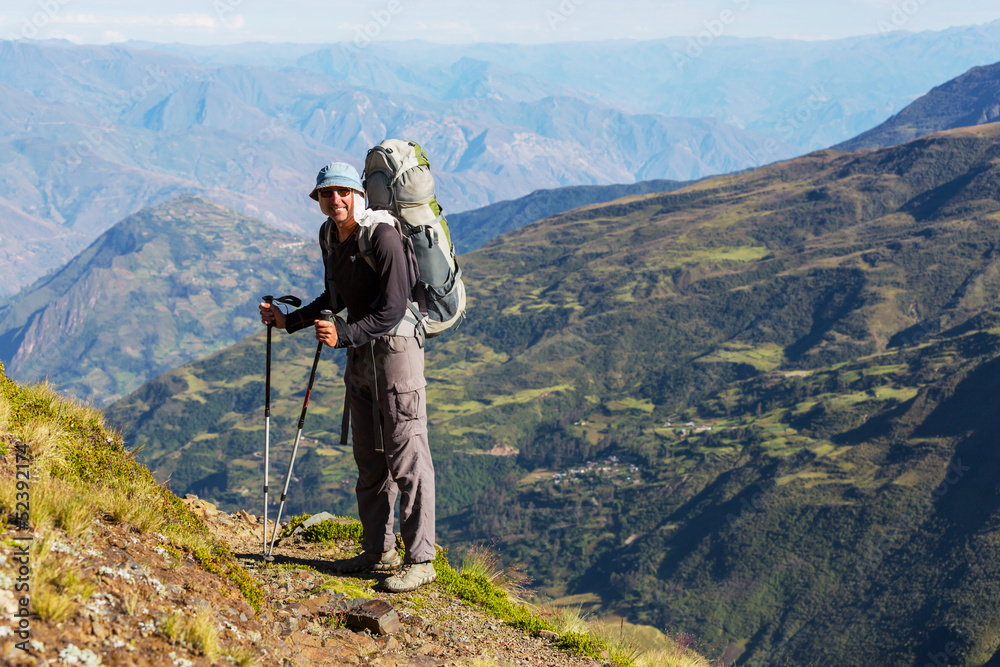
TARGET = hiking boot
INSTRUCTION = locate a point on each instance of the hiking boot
(369, 562)
(412, 577)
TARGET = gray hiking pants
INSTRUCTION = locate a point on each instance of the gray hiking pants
(404, 468)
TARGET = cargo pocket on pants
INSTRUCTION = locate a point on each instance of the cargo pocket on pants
(409, 410)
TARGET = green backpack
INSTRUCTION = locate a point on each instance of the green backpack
(398, 179)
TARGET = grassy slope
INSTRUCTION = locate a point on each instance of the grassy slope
(77, 468)
(831, 318)
(472, 229)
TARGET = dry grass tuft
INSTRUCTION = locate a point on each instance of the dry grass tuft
(243, 657)
(60, 504)
(186, 540)
(483, 661)
(130, 601)
(202, 634)
(568, 619)
(5, 415)
(483, 561)
(132, 502)
(623, 645)
(172, 627)
(198, 631)
(671, 658)
(47, 444)
(58, 584)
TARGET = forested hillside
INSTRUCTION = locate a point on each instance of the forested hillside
(162, 287)
(761, 408)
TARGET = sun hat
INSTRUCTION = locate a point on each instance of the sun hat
(337, 174)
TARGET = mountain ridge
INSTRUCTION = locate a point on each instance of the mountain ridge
(970, 99)
(88, 329)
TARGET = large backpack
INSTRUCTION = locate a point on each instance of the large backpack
(398, 179)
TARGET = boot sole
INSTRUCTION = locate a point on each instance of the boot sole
(412, 587)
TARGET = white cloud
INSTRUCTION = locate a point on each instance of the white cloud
(76, 18)
(112, 36)
(192, 20)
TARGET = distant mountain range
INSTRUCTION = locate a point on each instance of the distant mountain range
(810, 93)
(91, 134)
(759, 409)
(971, 99)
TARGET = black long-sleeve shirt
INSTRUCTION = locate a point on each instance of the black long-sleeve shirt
(375, 300)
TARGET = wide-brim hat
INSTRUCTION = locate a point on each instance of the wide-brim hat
(337, 175)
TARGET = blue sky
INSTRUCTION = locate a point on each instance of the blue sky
(521, 21)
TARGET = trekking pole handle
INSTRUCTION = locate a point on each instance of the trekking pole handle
(326, 315)
(269, 300)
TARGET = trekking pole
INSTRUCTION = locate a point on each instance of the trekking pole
(267, 426)
(269, 300)
(324, 315)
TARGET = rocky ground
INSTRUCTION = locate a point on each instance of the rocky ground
(146, 603)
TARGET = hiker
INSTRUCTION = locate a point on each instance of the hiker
(392, 413)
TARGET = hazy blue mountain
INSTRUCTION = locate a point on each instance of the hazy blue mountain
(252, 54)
(809, 93)
(92, 134)
(971, 99)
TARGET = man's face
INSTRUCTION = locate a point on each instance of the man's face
(337, 203)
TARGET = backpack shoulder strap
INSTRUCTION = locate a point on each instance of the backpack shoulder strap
(365, 249)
